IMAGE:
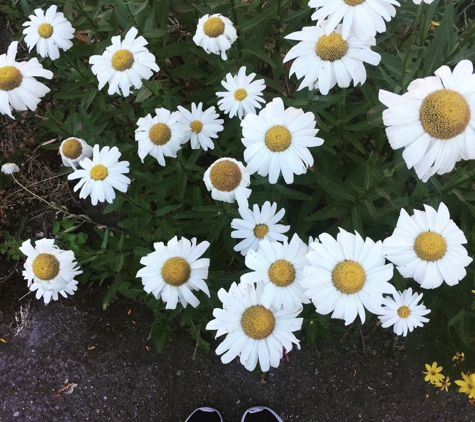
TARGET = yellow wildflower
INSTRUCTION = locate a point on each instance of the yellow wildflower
(433, 373)
(467, 385)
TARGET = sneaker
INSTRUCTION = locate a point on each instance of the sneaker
(205, 414)
(260, 414)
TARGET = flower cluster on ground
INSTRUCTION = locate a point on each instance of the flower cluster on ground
(246, 210)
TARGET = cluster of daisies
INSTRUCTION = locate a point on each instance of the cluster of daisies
(345, 276)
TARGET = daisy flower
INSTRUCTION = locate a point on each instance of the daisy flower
(49, 31)
(365, 17)
(427, 246)
(73, 150)
(434, 120)
(279, 267)
(433, 374)
(19, 90)
(347, 275)
(277, 140)
(100, 176)
(467, 385)
(255, 333)
(49, 270)
(403, 312)
(173, 270)
(160, 136)
(228, 180)
(243, 94)
(257, 225)
(326, 60)
(200, 126)
(10, 168)
(124, 64)
(215, 34)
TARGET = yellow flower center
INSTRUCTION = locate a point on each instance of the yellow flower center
(278, 138)
(258, 322)
(331, 47)
(196, 126)
(160, 134)
(225, 176)
(99, 172)
(10, 78)
(45, 266)
(348, 277)
(404, 311)
(445, 114)
(122, 60)
(45, 30)
(214, 27)
(430, 246)
(353, 2)
(281, 273)
(240, 94)
(72, 148)
(176, 271)
(260, 230)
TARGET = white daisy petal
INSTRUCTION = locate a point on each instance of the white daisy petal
(173, 271)
(341, 278)
(403, 312)
(200, 126)
(262, 225)
(98, 179)
(215, 33)
(73, 150)
(428, 247)
(160, 136)
(228, 180)
(124, 64)
(432, 121)
(278, 153)
(259, 334)
(19, 89)
(48, 31)
(243, 94)
(327, 59)
(49, 270)
(365, 17)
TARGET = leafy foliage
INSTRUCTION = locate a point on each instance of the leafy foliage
(358, 182)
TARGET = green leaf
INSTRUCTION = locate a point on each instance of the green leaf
(111, 292)
(328, 212)
(258, 53)
(291, 193)
(334, 189)
(434, 57)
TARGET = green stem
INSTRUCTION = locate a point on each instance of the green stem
(408, 52)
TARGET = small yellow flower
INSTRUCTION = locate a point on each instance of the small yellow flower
(459, 356)
(432, 374)
(444, 385)
(467, 385)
